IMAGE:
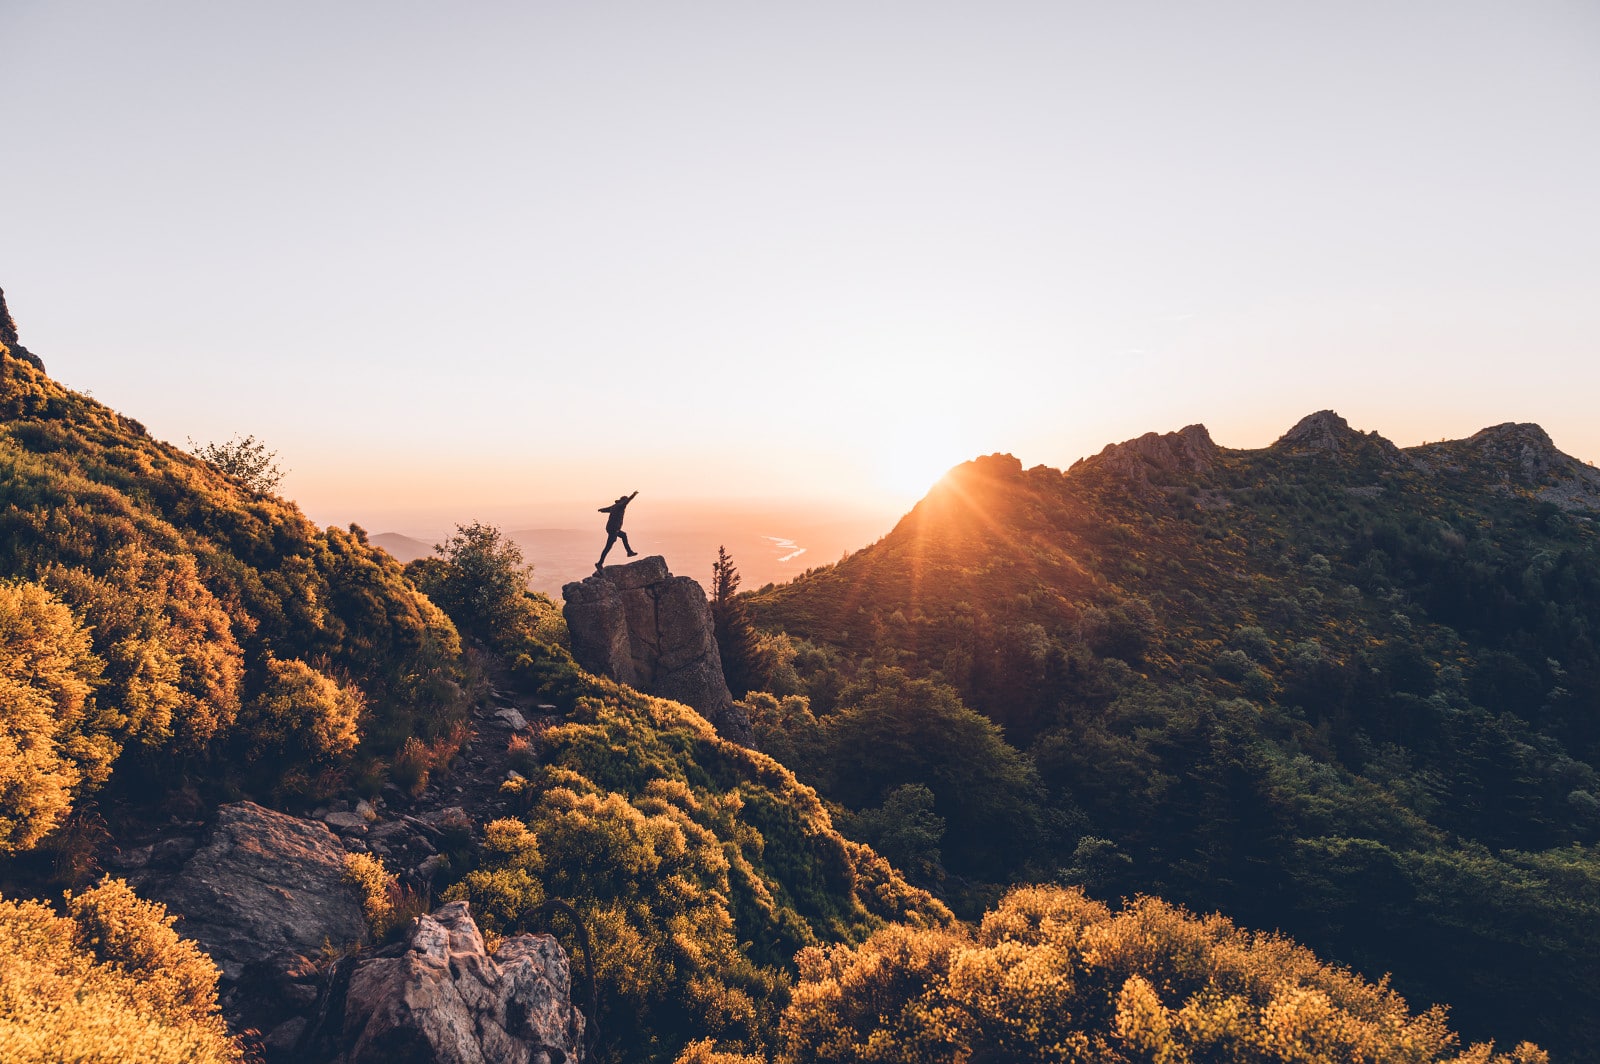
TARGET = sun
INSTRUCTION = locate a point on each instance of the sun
(910, 467)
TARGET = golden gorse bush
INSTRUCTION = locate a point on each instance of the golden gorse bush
(1051, 975)
(52, 742)
(110, 983)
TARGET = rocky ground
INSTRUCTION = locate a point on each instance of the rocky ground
(264, 893)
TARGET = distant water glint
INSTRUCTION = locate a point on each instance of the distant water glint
(787, 548)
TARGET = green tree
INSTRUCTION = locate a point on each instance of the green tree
(481, 581)
(245, 458)
(907, 831)
(899, 731)
(737, 641)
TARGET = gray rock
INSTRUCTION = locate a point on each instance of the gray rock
(642, 626)
(445, 1000)
(283, 1038)
(346, 823)
(262, 884)
(128, 860)
(510, 718)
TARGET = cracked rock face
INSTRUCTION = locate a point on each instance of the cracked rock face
(446, 1000)
(262, 883)
(640, 625)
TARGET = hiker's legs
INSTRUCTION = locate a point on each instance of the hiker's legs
(624, 537)
(610, 541)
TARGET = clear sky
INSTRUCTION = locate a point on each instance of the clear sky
(471, 258)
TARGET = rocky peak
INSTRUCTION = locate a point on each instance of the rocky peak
(1520, 455)
(996, 466)
(642, 626)
(8, 336)
(1322, 431)
(1189, 450)
(1525, 451)
(1325, 432)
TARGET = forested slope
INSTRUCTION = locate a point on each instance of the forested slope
(1329, 686)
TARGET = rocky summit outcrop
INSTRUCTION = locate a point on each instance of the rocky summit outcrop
(1522, 456)
(260, 885)
(1521, 452)
(1326, 433)
(1189, 450)
(8, 337)
(642, 626)
(441, 998)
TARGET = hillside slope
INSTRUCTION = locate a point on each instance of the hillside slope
(1330, 685)
(201, 632)
(171, 639)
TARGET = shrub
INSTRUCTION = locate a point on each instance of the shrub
(522, 756)
(1052, 975)
(300, 709)
(384, 902)
(121, 928)
(413, 766)
(110, 982)
(51, 740)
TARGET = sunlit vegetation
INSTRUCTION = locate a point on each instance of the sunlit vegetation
(1029, 680)
(52, 743)
(109, 981)
(1051, 975)
(167, 625)
(384, 902)
(1336, 694)
(699, 868)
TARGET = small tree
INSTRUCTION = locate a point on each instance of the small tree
(245, 458)
(480, 579)
(736, 636)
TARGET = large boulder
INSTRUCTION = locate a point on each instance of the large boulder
(642, 626)
(261, 885)
(445, 1000)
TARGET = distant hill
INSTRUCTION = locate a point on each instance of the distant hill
(402, 548)
(1330, 685)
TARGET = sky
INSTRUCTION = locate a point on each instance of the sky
(485, 261)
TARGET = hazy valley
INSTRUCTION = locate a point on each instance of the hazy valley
(773, 545)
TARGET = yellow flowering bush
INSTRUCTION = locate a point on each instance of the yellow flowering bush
(110, 982)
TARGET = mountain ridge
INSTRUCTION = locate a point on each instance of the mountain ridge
(1330, 685)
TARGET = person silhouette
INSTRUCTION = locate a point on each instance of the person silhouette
(614, 530)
